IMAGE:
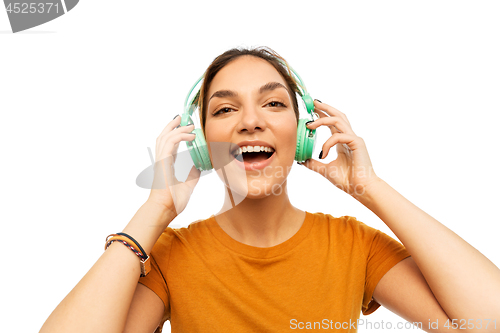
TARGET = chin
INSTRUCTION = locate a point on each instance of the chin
(255, 188)
(262, 188)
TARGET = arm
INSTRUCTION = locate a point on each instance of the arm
(101, 300)
(465, 283)
(404, 291)
(145, 312)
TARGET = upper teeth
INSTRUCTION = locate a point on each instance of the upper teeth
(253, 149)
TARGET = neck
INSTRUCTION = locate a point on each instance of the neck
(262, 222)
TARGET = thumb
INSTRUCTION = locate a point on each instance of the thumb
(316, 166)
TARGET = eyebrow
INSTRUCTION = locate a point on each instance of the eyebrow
(230, 93)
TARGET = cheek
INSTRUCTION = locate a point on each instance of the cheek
(287, 137)
(213, 134)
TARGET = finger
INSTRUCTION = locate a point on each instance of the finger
(176, 131)
(330, 110)
(352, 142)
(167, 147)
(171, 125)
(188, 128)
(170, 136)
(323, 114)
(171, 130)
(338, 123)
(174, 140)
(184, 129)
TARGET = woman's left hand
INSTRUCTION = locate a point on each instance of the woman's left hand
(352, 171)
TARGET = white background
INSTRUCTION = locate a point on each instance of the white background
(83, 96)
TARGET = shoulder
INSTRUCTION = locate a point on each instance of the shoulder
(344, 223)
(171, 235)
(346, 230)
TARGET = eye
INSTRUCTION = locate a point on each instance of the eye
(276, 104)
(222, 110)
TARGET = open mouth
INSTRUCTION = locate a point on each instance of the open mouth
(254, 156)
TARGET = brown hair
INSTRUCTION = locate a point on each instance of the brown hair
(262, 52)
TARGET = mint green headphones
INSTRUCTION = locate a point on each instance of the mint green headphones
(306, 138)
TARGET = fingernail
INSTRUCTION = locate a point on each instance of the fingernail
(321, 154)
(299, 163)
(310, 121)
(175, 117)
(318, 100)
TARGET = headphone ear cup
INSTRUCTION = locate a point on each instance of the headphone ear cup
(199, 151)
(197, 147)
(306, 141)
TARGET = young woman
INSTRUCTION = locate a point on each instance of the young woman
(264, 265)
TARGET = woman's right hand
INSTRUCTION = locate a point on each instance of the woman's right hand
(167, 190)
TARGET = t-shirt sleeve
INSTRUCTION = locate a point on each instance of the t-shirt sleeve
(156, 278)
(382, 252)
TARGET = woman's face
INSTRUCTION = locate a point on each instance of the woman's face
(248, 105)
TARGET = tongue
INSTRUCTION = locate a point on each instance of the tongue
(255, 157)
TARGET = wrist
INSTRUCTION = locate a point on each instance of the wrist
(370, 192)
(148, 224)
(168, 212)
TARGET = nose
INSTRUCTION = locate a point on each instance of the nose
(251, 120)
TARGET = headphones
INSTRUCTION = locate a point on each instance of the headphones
(306, 138)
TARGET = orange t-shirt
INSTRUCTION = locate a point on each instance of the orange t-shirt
(325, 274)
